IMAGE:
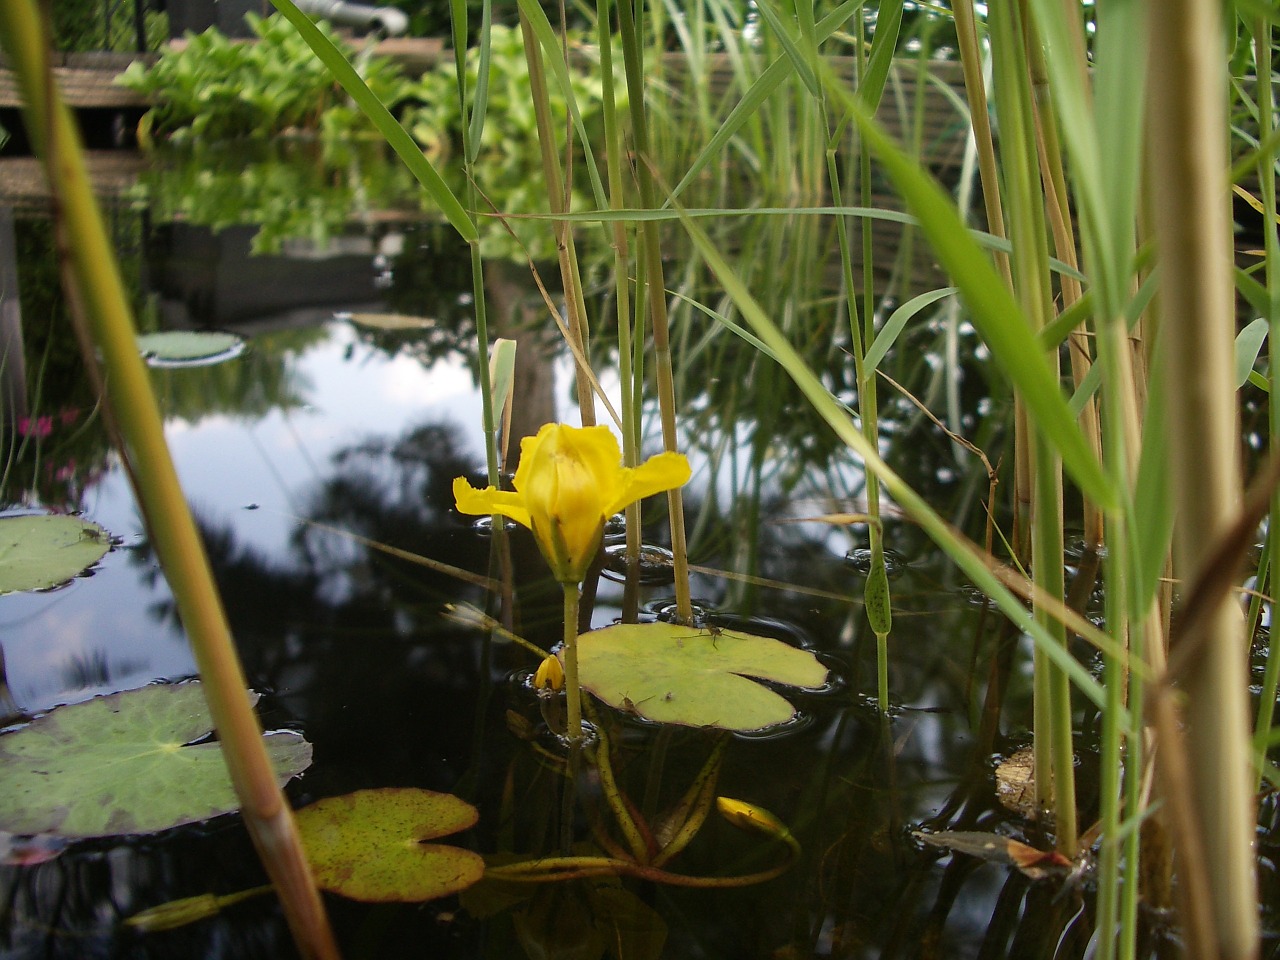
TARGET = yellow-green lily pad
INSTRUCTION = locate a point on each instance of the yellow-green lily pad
(38, 552)
(392, 321)
(125, 764)
(180, 348)
(371, 845)
(671, 673)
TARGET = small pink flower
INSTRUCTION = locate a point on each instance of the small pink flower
(39, 427)
(68, 416)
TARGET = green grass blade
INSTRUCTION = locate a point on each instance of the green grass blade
(961, 552)
(387, 125)
(897, 322)
(758, 93)
(992, 308)
(554, 60)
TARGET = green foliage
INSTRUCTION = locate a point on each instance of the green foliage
(218, 88)
(507, 167)
(125, 764)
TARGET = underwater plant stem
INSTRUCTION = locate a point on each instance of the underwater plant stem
(1187, 161)
(98, 287)
(572, 691)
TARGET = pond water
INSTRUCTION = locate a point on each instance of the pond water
(325, 427)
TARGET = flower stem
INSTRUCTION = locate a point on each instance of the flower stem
(571, 690)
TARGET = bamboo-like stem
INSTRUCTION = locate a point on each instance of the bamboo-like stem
(622, 298)
(1187, 159)
(99, 290)
(558, 198)
(651, 253)
(1054, 773)
(1267, 183)
(470, 149)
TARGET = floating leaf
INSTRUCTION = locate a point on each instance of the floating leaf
(371, 845)
(391, 321)
(180, 348)
(698, 677)
(1036, 864)
(124, 764)
(37, 552)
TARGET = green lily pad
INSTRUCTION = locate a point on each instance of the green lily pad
(37, 552)
(391, 321)
(671, 673)
(124, 764)
(180, 348)
(371, 845)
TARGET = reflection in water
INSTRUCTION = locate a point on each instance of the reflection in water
(328, 426)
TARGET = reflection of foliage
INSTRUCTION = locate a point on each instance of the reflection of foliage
(217, 88)
(508, 168)
(61, 447)
(298, 190)
(257, 382)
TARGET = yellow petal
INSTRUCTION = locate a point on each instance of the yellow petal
(664, 471)
(562, 490)
(490, 500)
(550, 675)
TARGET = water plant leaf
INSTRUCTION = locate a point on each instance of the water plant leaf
(42, 551)
(673, 673)
(1036, 864)
(1249, 343)
(391, 321)
(371, 845)
(125, 764)
(184, 347)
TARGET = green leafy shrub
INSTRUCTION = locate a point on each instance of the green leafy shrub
(508, 167)
(218, 88)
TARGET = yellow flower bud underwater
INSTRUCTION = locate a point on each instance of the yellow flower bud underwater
(550, 675)
(569, 482)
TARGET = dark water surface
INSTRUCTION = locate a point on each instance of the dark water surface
(322, 424)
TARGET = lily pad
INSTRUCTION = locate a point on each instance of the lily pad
(181, 348)
(392, 321)
(697, 677)
(371, 845)
(124, 764)
(38, 552)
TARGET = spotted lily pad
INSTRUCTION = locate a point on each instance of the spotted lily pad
(37, 552)
(124, 764)
(175, 348)
(698, 677)
(371, 845)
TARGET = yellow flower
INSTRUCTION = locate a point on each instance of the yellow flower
(569, 482)
(550, 675)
